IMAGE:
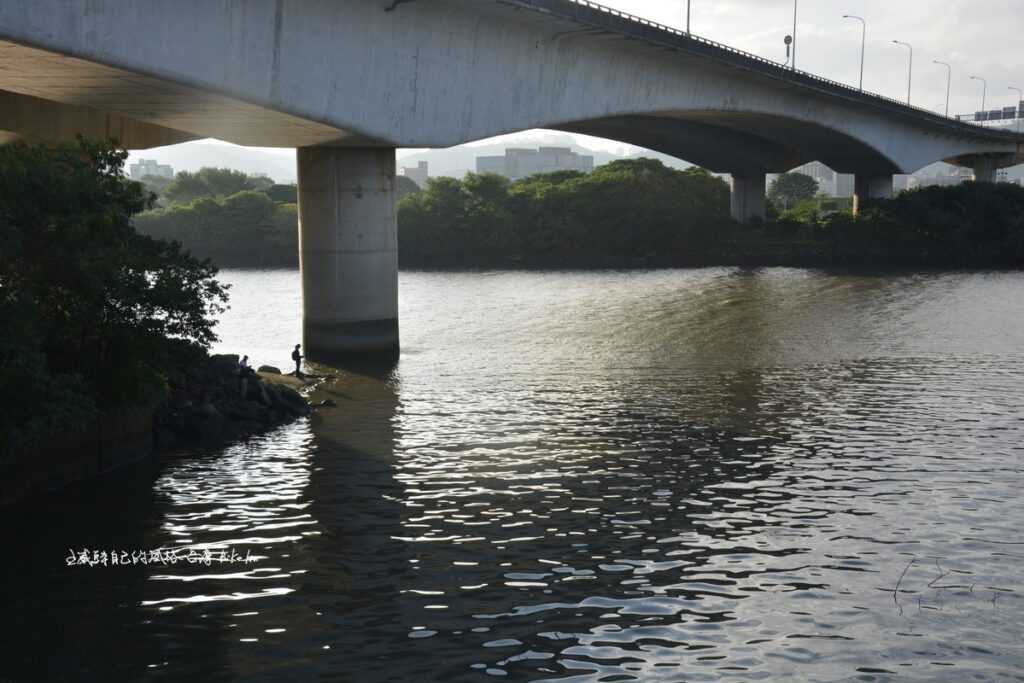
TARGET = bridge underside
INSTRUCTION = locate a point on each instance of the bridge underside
(52, 97)
(738, 142)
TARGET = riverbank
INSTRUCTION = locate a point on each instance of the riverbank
(208, 405)
(753, 247)
(211, 402)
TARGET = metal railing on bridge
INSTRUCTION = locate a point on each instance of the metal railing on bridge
(994, 115)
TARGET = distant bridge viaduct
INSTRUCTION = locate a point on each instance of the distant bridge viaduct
(348, 81)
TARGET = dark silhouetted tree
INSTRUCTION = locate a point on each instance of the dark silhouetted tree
(85, 301)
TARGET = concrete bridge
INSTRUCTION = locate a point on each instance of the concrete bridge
(348, 81)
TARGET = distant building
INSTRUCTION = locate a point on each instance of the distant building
(147, 167)
(418, 173)
(520, 163)
(845, 185)
(946, 178)
(825, 176)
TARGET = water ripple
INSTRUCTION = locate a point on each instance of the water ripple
(666, 476)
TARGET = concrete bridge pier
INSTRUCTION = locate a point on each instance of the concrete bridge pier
(985, 169)
(348, 252)
(748, 197)
(870, 187)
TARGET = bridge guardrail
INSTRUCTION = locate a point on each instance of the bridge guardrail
(778, 67)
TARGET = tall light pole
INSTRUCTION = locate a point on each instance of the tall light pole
(984, 89)
(687, 17)
(910, 70)
(1020, 101)
(949, 79)
(794, 35)
(863, 42)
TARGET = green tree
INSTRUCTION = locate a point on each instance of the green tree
(283, 194)
(98, 308)
(405, 186)
(186, 188)
(790, 188)
(212, 182)
(155, 184)
(224, 182)
(486, 215)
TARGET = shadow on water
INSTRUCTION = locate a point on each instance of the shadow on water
(329, 563)
(314, 503)
(67, 622)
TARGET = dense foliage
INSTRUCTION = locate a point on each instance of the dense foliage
(625, 210)
(212, 182)
(283, 194)
(973, 224)
(628, 213)
(93, 313)
(247, 228)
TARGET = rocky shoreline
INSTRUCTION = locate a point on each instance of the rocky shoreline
(212, 403)
(205, 407)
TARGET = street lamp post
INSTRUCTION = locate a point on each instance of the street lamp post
(949, 79)
(863, 42)
(1020, 102)
(910, 69)
(794, 36)
(687, 17)
(984, 89)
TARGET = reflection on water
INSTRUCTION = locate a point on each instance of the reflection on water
(658, 476)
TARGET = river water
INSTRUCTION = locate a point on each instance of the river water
(673, 475)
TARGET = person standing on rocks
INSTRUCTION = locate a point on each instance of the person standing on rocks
(297, 357)
(244, 370)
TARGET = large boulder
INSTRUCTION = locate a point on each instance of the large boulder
(224, 363)
(264, 396)
(243, 410)
(210, 411)
(274, 394)
(269, 369)
(292, 401)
